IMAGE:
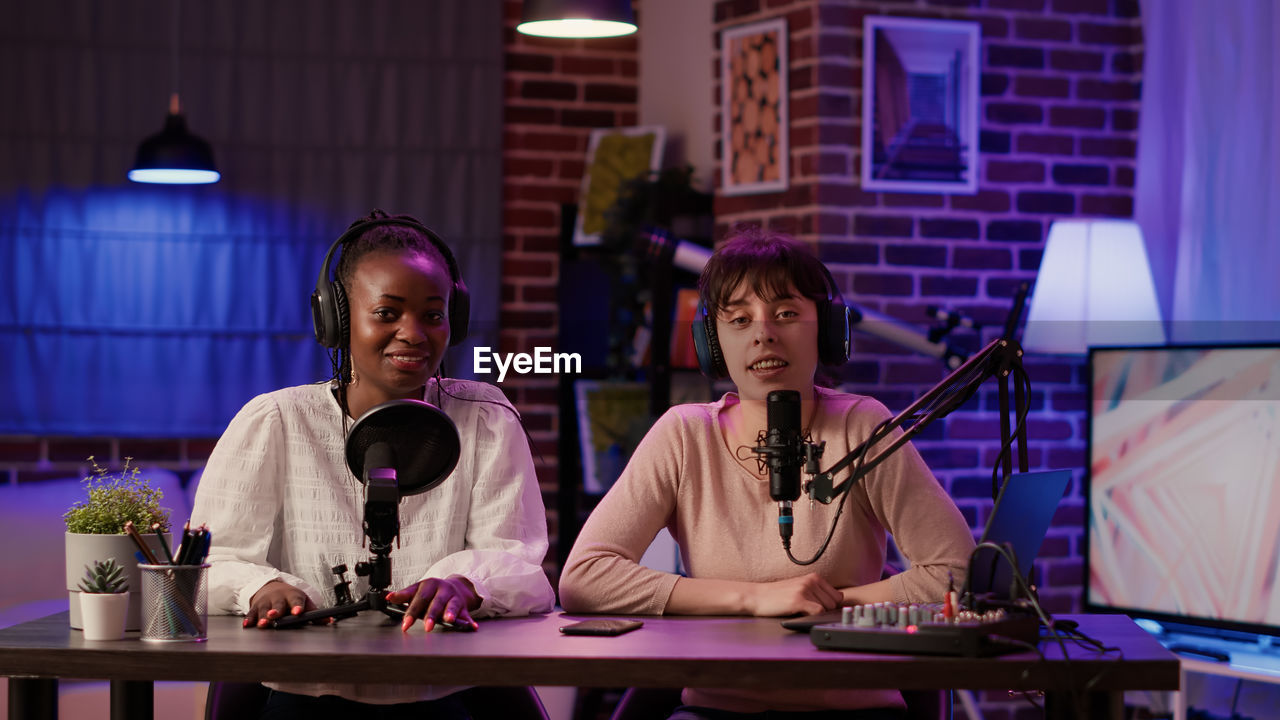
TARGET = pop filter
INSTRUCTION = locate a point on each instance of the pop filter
(423, 442)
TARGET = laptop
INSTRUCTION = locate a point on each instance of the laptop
(1021, 516)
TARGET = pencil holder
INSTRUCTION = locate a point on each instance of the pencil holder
(175, 603)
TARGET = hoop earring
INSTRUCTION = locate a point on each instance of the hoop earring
(353, 375)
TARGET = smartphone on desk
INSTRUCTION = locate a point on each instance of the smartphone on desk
(601, 627)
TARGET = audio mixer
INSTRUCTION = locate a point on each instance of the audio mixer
(927, 629)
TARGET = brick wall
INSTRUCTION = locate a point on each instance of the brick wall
(556, 92)
(1058, 122)
(32, 458)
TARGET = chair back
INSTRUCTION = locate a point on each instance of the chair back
(649, 703)
(228, 700)
(236, 700)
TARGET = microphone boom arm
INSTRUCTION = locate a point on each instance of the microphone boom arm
(997, 359)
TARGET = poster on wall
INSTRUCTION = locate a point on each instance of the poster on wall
(753, 108)
(920, 81)
(613, 416)
(615, 156)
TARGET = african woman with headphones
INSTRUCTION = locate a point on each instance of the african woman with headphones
(769, 314)
(283, 508)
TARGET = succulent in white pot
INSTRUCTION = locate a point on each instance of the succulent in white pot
(104, 600)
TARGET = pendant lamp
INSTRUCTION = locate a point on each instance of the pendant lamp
(174, 156)
(577, 18)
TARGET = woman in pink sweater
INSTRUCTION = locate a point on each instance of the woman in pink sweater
(769, 320)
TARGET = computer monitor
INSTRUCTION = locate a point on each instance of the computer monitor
(1183, 491)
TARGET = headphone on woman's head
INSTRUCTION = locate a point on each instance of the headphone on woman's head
(330, 314)
(833, 333)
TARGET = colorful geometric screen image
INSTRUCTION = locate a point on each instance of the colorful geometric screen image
(1184, 499)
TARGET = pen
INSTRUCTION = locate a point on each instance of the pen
(196, 549)
(201, 549)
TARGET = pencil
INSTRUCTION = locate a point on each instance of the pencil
(142, 544)
(182, 548)
(164, 544)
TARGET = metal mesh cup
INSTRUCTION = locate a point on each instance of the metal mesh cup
(175, 602)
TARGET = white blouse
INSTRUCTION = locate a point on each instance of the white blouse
(281, 504)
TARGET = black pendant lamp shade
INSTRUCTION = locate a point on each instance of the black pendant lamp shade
(174, 155)
(577, 18)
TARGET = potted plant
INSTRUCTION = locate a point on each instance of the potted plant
(95, 530)
(104, 600)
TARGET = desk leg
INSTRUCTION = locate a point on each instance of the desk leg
(1061, 706)
(132, 700)
(1180, 695)
(33, 698)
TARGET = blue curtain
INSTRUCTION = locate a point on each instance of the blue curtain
(153, 312)
(1208, 178)
(134, 310)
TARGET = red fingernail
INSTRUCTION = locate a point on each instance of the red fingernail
(245, 623)
(428, 624)
(408, 623)
(448, 617)
(297, 609)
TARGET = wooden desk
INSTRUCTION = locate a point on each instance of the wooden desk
(666, 652)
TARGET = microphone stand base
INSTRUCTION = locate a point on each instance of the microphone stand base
(375, 600)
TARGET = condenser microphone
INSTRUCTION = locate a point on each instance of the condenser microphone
(381, 495)
(399, 448)
(782, 449)
(379, 462)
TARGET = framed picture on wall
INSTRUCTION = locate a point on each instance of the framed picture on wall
(753, 108)
(613, 416)
(920, 84)
(614, 156)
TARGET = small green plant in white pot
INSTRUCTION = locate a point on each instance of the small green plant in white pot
(95, 530)
(104, 600)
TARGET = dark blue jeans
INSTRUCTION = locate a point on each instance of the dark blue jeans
(288, 706)
(693, 712)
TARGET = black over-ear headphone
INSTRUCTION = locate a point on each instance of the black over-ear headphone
(833, 333)
(330, 315)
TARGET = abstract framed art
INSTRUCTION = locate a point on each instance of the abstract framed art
(920, 82)
(613, 416)
(614, 156)
(753, 108)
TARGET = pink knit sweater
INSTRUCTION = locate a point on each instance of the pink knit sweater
(684, 477)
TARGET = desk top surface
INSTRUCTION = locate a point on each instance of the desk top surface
(666, 652)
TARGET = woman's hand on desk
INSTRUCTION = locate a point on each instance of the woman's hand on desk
(434, 600)
(808, 594)
(276, 599)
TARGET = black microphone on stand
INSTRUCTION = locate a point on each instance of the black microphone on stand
(382, 495)
(396, 449)
(781, 449)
